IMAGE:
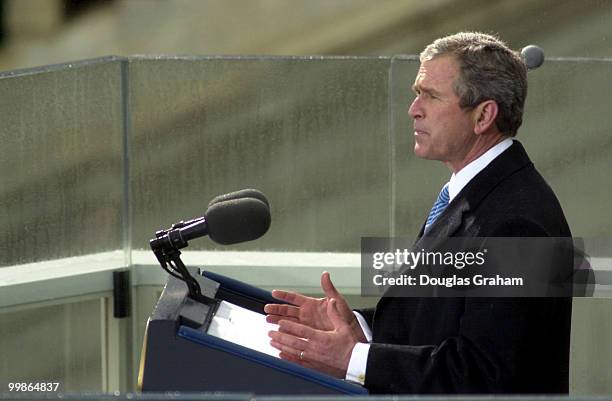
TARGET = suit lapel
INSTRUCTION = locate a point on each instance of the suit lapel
(506, 164)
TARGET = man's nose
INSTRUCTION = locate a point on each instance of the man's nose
(415, 110)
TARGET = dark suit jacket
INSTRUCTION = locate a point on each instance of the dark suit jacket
(479, 345)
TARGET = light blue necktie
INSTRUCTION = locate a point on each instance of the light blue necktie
(438, 207)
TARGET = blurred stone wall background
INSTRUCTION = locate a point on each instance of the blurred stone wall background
(39, 32)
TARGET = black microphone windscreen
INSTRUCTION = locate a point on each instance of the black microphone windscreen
(243, 193)
(237, 220)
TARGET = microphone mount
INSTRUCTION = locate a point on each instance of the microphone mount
(165, 246)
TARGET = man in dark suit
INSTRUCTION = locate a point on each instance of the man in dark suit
(470, 93)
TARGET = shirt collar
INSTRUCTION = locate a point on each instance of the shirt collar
(460, 179)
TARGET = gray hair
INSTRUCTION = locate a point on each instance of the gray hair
(488, 70)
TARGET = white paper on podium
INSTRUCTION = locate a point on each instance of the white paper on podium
(243, 327)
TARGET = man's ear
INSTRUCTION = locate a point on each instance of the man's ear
(484, 116)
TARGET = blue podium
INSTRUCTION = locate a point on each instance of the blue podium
(179, 355)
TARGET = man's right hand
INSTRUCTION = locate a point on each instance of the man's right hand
(312, 312)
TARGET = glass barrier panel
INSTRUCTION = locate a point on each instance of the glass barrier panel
(61, 161)
(567, 132)
(311, 133)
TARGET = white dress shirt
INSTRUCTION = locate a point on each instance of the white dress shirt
(359, 357)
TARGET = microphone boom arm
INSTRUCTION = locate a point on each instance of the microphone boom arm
(166, 246)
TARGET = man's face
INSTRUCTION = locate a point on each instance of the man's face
(442, 130)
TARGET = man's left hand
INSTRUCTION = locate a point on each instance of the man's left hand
(325, 350)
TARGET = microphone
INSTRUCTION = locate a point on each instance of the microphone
(237, 220)
(243, 193)
(226, 222)
(533, 56)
